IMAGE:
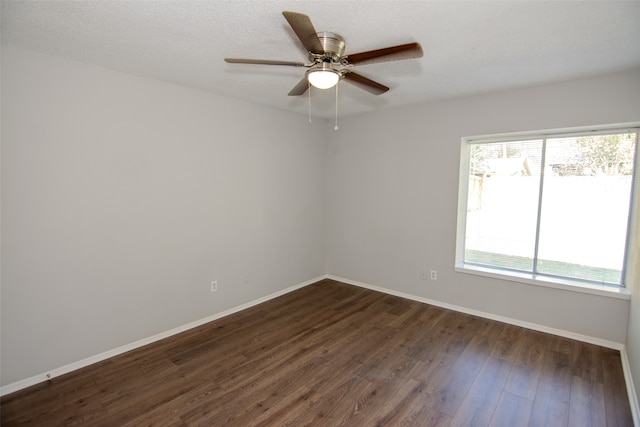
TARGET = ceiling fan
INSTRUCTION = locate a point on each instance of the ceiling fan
(327, 62)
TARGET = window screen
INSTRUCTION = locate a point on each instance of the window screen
(552, 205)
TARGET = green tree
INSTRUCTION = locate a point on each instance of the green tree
(608, 154)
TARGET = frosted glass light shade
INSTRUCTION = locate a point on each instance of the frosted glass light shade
(323, 79)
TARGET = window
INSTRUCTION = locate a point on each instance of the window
(553, 206)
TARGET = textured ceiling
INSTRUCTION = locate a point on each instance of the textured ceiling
(469, 47)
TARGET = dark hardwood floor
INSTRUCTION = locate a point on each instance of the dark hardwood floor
(332, 354)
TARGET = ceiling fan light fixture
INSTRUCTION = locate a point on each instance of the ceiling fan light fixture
(327, 63)
(323, 76)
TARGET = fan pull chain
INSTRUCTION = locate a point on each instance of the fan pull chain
(309, 90)
(336, 126)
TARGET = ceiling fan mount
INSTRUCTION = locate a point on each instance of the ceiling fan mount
(327, 62)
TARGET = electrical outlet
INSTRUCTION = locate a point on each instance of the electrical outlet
(434, 275)
(214, 286)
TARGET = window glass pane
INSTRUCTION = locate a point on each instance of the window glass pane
(585, 207)
(502, 204)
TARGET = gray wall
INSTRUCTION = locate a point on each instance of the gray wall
(393, 188)
(633, 330)
(123, 197)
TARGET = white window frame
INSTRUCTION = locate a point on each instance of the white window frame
(575, 285)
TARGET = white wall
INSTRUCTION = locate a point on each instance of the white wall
(392, 198)
(123, 197)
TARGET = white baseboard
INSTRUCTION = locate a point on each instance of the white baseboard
(528, 325)
(19, 385)
(631, 390)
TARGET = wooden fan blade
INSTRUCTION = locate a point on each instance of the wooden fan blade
(392, 53)
(263, 62)
(365, 83)
(300, 88)
(305, 31)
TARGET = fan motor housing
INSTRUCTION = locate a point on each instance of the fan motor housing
(333, 45)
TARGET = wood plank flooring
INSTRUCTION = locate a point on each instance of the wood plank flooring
(331, 354)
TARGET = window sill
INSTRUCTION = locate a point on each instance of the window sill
(549, 282)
